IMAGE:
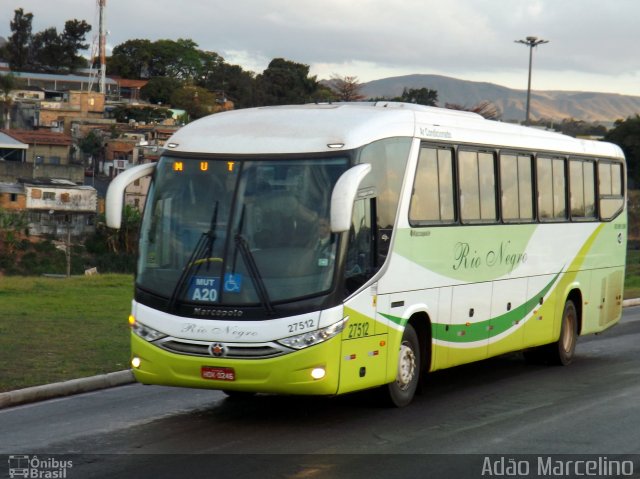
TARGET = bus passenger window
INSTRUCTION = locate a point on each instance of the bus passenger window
(551, 189)
(477, 187)
(517, 187)
(582, 183)
(610, 189)
(432, 199)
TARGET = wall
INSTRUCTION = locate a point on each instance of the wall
(6, 204)
(10, 171)
(62, 199)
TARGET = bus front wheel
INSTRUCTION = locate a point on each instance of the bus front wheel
(401, 391)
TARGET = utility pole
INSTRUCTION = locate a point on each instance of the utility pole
(530, 42)
(103, 43)
(67, 250)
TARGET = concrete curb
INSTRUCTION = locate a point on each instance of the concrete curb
(65, 388)
(102, 381)
(631, 302)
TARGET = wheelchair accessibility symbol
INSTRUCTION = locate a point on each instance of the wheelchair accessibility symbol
(232, 283)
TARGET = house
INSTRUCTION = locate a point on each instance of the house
(52, 207)
(130, 89)
(48, 155)
(60, 207)
(12, 149)
(12, 197)
(60, 114)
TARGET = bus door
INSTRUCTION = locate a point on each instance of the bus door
(365, 338)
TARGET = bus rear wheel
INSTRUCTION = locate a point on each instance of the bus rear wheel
(400, 392)
(563, 350)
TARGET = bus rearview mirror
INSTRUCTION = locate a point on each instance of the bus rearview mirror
(343, 195)
(115, 193)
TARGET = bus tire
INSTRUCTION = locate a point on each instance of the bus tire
(401, 391)
(562, 352)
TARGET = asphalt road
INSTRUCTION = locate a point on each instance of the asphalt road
(468, 422)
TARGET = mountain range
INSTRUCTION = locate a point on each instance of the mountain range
(593, 107)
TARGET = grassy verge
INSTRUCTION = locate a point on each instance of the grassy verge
(632, 276)
(58, 329)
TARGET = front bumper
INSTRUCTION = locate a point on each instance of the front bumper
(287, 374)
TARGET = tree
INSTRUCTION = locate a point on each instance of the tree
(12, 227)
(231, 80)
(573, 127)
(196, 101)
(47, 51)
(420, 96)
(18, 44)
(128, 232)
(285, 82)
(72, 41)
(93, 145)
(160, 89)
(626, 134)
(140, 59)
(346, 88)
(177, 59)
(147, 114)
(131, 59)
(171, 65)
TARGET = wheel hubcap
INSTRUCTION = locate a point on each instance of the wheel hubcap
(568, 336)
(406, 367)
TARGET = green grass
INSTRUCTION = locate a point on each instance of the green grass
(632, 277)
(57, 329)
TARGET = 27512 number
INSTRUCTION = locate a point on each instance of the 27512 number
(358, 330)
(301, 326)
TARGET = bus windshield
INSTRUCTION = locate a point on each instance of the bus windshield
(238, 232)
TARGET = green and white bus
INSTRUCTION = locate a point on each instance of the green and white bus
(324, 249)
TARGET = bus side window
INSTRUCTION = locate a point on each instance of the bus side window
(361, 252)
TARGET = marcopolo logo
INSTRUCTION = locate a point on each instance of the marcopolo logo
(38, 467)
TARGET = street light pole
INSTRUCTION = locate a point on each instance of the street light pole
(530, 42)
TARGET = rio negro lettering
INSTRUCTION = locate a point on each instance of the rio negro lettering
(465, 257)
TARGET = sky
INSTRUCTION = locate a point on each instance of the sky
(593, 44)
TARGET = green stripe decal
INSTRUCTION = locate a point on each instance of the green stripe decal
(483, 330)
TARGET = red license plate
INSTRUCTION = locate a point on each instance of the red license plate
(218, 374)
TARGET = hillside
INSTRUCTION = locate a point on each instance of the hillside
(557, 105)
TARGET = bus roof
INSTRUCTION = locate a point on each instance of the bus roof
(316, 128)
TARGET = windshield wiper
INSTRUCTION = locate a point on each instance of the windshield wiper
(204, 245)
(256, 278)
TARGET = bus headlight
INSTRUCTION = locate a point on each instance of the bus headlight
(146, 333)
(310, 338)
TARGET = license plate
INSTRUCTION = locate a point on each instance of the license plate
(218, 374)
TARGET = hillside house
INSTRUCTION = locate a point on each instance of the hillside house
(48, 155)
(55, 206)
(12, 197)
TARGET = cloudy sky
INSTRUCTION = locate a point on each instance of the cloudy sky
(593, 44)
